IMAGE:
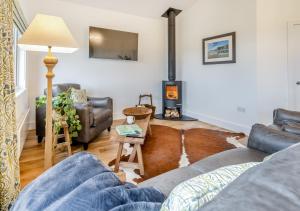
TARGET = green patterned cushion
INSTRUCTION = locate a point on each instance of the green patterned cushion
(194, 193)
(78, 96)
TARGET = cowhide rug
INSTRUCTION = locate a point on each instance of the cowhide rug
(169, 148)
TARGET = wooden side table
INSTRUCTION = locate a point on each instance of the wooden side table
(144, 124)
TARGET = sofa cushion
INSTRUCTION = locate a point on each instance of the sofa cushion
(167, 181)
(194, 193)
(229, 157)
(273, 185)
(101, 115)
(79, 95)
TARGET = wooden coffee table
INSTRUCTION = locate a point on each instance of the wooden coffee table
(144, 124)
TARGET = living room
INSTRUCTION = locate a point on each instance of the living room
(196, 108)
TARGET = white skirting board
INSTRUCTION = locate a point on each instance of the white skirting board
(22, 130)
(220, 122)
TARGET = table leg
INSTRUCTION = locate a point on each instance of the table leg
(133, 153)
(149, 130)
(117, 164)
(140, 159)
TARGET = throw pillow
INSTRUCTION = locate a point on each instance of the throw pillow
(194, 193)
(78, 96)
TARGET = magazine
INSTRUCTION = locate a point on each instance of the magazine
(129, 130)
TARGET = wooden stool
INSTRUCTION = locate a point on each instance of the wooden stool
(67, 143)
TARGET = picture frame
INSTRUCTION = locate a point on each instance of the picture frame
(219, 49)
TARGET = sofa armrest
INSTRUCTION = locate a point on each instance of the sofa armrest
(269, 140)
(105, 102)
(281, 116)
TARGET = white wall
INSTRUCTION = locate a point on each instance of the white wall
(272, 21)
(36, 80)
(258, 81)
(214, 92)
(121, 80)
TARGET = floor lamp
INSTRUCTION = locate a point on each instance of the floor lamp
(48, 34)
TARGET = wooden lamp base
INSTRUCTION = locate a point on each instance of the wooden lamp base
(50, 61)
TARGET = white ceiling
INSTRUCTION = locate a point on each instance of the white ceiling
(145, 8)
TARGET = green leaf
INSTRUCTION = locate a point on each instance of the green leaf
(63, 105)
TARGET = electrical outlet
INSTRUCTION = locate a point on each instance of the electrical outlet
(241, 109)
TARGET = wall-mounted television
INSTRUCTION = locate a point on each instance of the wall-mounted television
(112, 44)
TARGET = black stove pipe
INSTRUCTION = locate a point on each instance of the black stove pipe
(171, 14)
(171, 46)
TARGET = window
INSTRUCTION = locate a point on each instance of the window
(19, 61)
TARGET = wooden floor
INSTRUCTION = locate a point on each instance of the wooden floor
(32, 156)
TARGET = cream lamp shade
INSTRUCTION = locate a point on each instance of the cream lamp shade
(48, 31)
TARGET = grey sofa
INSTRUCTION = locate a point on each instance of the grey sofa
(262, 141)
(95, 116)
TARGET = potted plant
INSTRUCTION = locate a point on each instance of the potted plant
(63, 110)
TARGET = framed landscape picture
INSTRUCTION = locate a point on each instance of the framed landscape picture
(219, 49)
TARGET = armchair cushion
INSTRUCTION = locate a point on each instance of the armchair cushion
(58, 88)
(78, 95)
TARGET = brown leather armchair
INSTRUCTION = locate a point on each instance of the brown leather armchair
(95, 116)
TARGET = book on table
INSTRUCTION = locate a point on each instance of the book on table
(129, 130)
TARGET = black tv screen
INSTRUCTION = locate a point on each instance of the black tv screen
(113, 44)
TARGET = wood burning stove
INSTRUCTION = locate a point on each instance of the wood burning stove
(172, 89)
(172, 99)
